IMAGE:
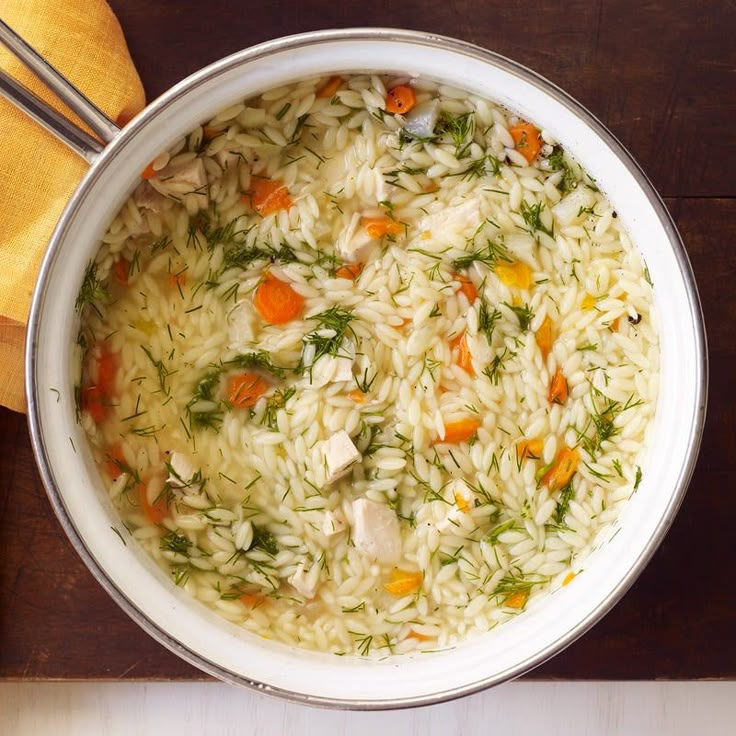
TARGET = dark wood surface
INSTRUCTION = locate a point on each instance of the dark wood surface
(661, 76)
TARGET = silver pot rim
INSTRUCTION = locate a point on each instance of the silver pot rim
(294, 42)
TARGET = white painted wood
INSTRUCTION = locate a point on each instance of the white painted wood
(547, 709)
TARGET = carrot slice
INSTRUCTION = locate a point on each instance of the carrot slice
(403, 582)
(245, 389)
(268, 195)
(329, 88)
(400, 100)
(588, 302)
(209, 133)
(464, 359)
(545, 337)
(568, 578)
(357, 396)
(531, 449)
(177, 280)
(94, 402)
(526, 140)
(157, 511)
(563, 468)
(253, 599)
(460, 431)
(515, 274)
(517, 600)
(467, 287)
(557, 393)
(377, 227)
(107, 366)
(277, 302)
(149, 172)
(114, 459)
(419, 637)
(349, 271)
(462, 502)
(120, 269)
(614, 325)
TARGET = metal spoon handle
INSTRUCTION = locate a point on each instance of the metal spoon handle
(42, 113)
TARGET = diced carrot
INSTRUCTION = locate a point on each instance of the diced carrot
(557, 393)
(377, 227)
(615, 324)
(267, 195)
(545, 337)
(177, 280)
(403, 582)
(349, 271)
(531, 449)
(400, 100)
(433, 186)
(515, 274)
(329, 88)
(568, 578)
(245, 389)
(526, 140)
(209, 133)
(516, 600)
(252, 600)
(563, 468)
(357, 396)
(460, 431)
(94, 402)
(149, 172)
(157, 511)
(120, 269)
(467, 287)
(107, 366)
(277, 302)
(462, 502)
(419, 636)
(114, 459)
(588, 302)
(464, 359)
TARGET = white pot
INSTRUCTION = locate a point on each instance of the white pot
(190, 629)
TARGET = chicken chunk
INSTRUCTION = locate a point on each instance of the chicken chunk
(354, 242)
(340, 454)
(333, 523)
(376, 531)
(303, 582)
(188, 178)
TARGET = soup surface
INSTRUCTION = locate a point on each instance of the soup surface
(367, 364)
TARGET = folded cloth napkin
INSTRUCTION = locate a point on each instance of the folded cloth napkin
(83, 40)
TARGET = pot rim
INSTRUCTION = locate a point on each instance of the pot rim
(312, 39)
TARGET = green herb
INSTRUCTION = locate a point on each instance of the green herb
(567, 493)
(160, 244)
(264, 540)
(175, 543)
(603, 415)
(280, 114)
(119, 535)
(556, 162)
(637, 479)
(496, 532)
(589, 347)
(487, 320)
(300, 123)
(524, 314)
(162, 371)
(180, 574)
(459, 129)
(355, 609)
(91, 290)
(489, 255)
(532, 216)
(363, 644)
(517, 582)
(276, 401)
(260, 359)
(334, 319)
(493, 371)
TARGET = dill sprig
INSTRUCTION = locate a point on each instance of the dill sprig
(493, 371)
(532, 216)
(260, 359)
(489, 255)
(91, 290)
(162, 372)
(176, 543)
(496, 532)
(276, 401)
(567, 493)
(603, 414)
(264, 540)
(243, 256)
(517, 582)
(487, 320)
(364, 383)
(524, 314)
(460, 130)
(336, 320)
(556, 162)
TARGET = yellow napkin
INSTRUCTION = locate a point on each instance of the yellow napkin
(83, 40)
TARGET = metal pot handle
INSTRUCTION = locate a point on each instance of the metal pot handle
(77, 139)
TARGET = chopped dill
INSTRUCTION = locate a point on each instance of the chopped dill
(602, 421)
(487, 320)
(175, 543)
(532, 216)
(91, 290)
(637, 479)
(518, 582)
(496, 532)
(335, 320)
(276, 401)
(355, 609)
(259, 359)
(556, 162)
(162, 371)
(567, 493)
(459, 129)
(493, 371)
(300, 123)
(489, 255)
(524, 314)
(264, 540)
(280, 114)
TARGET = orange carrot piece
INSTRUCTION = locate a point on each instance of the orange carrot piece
(557, 389)
(177, 280)
(461, 502)
(357, 396)
(120, 269)
(277, 302)
(515, 274)
(531, 449)
(467, 287)
(517, 600)
(545, 337)
(149, 172)
(460, 431)
(329, 88)
(568, 578)
(464, 359)
(94, 402)
(349, 271)
(563, 468)
(107, 365)
(400, 100)
(245, 389)
(403, 582)
(157, 511)
(209, 133)
(419, 636)
(268, 195)
(526, 140)
(253, 599)
(615, 324)
(114, 459)
(377, 227)
(588, 302)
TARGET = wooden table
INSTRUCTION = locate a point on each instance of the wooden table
(661, 77)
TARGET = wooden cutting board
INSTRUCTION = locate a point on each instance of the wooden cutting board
(661, 77)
